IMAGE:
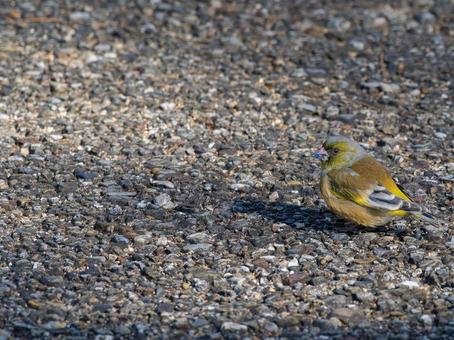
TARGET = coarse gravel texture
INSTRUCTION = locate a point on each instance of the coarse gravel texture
(156, 178)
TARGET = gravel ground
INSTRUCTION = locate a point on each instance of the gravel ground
(156, 177)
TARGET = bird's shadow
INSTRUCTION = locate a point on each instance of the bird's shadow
(299, 217)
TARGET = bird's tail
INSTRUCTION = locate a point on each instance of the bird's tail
(429, 218)
(415, 210)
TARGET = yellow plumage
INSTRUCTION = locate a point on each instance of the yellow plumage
(358, 188)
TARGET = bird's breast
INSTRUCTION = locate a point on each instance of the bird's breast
(349, 209)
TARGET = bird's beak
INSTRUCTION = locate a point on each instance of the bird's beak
(321, 154)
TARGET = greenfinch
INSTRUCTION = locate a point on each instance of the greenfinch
(358, 188)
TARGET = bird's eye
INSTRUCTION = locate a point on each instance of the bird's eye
(335, 151)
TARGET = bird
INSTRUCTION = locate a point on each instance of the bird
(360, 189)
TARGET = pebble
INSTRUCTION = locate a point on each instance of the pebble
(4, 335)
(199, 237)
(346, 315)
(164, 201)
(357, 44)
(144, 239)
(198, 246)
(3, 184)
(200, 322)
(309, 107)
(167, 106)
(385, 87)
(120, 239)
(425, 17)
(79, 16)
(162, 241)
(293, 263)
(390, 88)
(339, 24)
(164, 184)
(427, 320)
(332, 111)
(271, 328)
(86, 175)
(409, 284)
(233, 326)
(239, 187)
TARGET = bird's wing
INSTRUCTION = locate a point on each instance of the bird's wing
(368, 184)
(382, 198)
(371, 169)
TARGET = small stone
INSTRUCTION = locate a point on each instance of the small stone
(200, 322)
(86, 175)
(347, 315)
(164, 308)
(295, 278)
(347, 118)
(122, 330)
(377, 85)
(120, 239)
(433, 232)
(167, 106)
(239, 187)
(425, 17)
(269, 258)
(3, 184)
(53, 281)
(55, 325)
(148, 28)
(309, 107)
(79, 16)
(143, 239)
(271, 328)
(336, 300)
(332, 111)
(233, 327)
(427, 320)
(35, 304)
(67, 187)
(324, 325)
(104, 336)
(293, 263)
(363, 296)
(164, 184)
(198, 247)
(299, 73)
(335, 322)
(92, 58)
(4, 334)
(409, 284)
(143, 204)
(98, 259)
(357, 44)
(339, 24)
(274, 196)
(162, 241)
(164, 201)
(199, 238)
(390, 88)
(261, 263)
(16, 158)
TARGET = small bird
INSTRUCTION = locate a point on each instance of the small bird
(359, 188)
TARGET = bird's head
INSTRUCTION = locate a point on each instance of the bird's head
(338, 152)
